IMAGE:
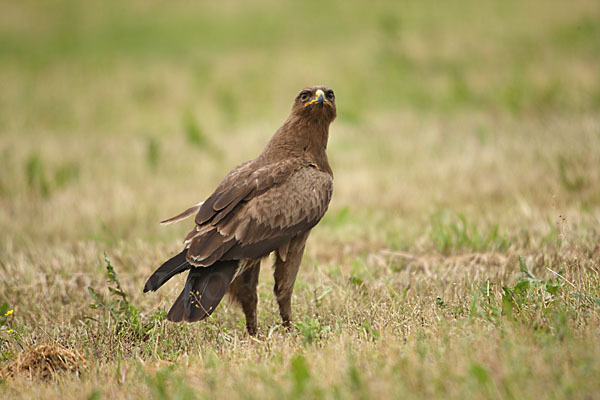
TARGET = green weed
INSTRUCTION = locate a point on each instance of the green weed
(193, 133)
(370, 331)
(44, 179)
(36, 175)
(312, 329)
(570, 180)
(6, 328)
(66, 174)
(119, 315)
(451, 232)
(5, 315)
(544, 304)
(167, 383)
(152, 153)
(300, 375)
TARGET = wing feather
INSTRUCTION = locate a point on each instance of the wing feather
(254, 226)
(186, 214)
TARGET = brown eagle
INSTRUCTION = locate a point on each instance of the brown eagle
(266, 205)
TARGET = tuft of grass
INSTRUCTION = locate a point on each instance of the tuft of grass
(228, 104)
(119, 316)
(168, 383)
(45, 362)
(452, 232)
(300, 375)
(193, 133)
(152, 153)
(312, 329)
(35, 172)
(44, 179)
(570, 180)
(66, 174)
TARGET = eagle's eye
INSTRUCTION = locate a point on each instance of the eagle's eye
(304, 96)
(330, 95)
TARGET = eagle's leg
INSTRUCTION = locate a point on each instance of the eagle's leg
(286, 269)
(243, 290)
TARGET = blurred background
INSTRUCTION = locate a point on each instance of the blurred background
(114, 115)
(232, 62)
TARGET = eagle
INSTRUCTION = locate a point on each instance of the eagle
(263, 206)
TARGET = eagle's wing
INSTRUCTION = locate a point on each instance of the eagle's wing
(253, 213)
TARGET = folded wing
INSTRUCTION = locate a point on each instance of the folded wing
(253, 213)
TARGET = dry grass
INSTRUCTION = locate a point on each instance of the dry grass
(460, 257)
(44, 362)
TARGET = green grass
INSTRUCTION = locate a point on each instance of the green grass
(459, 257)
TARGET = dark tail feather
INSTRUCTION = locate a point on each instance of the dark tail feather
(203, 291)
(169, 269)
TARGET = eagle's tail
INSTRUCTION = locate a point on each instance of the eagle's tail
(169, 269)
(203, 291)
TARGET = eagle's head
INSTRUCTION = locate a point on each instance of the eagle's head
(315, 102)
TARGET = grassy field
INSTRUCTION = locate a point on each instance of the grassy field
(460, 257)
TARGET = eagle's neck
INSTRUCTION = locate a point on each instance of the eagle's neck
(299, 137)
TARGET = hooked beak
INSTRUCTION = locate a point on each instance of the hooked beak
(319, 99)
(320, 96)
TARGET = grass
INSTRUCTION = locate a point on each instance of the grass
(459, 257)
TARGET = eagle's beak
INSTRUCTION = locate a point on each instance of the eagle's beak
(319, 99)
(320, 96)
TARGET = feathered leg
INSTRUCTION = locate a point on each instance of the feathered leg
(243, 290)
(286, 270)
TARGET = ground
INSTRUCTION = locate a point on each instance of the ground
(460, 256)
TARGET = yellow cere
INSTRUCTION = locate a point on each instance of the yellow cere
(318, 93)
